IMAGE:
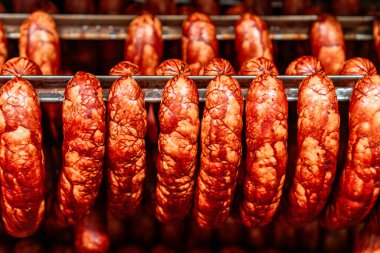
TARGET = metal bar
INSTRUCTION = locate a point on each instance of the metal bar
(114, 27)
(52, 88)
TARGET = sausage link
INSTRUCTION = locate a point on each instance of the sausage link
(144, 45)
(366, 241)
(127, 125)
(22, 168)
(173, 67)
(266, 133)
(327, 43)
(358, 66)
(318, 145)
(257, 66)
(3, 46)
(125, 68)
(359, 184)
(296, 7)
(177, 145)
(199, 43)
(221, 130)
(20, 66)
(83, 148)
(39, 41)
(305, 65)
(252, 38)
(376, 36)
(217, 66)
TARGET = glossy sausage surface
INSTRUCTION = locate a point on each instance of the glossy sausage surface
(257, 66)
(358, 66)
(173, 67)
(125, 68)
(305, 65)
(217, 66)
(20, 66)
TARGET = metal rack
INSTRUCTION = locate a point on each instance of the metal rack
(114, 27)
(52, 88)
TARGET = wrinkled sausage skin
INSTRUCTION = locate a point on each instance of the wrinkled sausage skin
(39, 41)
(217, 66)
(257, 66)
(126, 154)
(318, 144)
(3, 46)
(173, 67)
(252, 38)
(266, 133)
(144, 45)
(22, 168)
(358, 66)
(305, 65)
(221, 130)
(177, 145)
(327, 43)
(83, 148)
(199, 43)
(125, 68)
(20, 66)
(358, 187)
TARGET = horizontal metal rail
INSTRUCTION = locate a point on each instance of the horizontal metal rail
(52, 88)
(114, 27)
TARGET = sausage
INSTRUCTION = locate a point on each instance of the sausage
(305, 65)
(199, 43)
(111, 7)
(165, 7)
(144, 45)
(252, 38)
(359, 184)
(221, 145)
(257, 66)
(209, 7)
(83, 148)
(39, 41)
(127, 126)
(366, 241)
(376, 36)
(318, 144)
(26, 6)
(217, 66)
(266, 134)
(177, 145)
(22, 168)
(327, 43)
(296, 7)
(90, 234)
(125, 68)
(3, 46)
(20, 66)
(173, 67)
(358, 66)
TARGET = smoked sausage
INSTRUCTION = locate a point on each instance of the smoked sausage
(358, 66)
(359, 184)
(266, 133)
(20, 66)
(125, 68)
(177, 145)
(318, 145)
(83, 148)
(305, 65)
(252, 38)
(327, 43)
(126, 154)
(221, 145)
(257, 66)
(199, 43)
(22, 165)
(217, 66)
(173, 67)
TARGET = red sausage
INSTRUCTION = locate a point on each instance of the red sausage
(221, 130)
(217, 66)
(3, 46)
(257, 66)
(22, 168)
(266, 133)
(20, 66)
(83, 148)
(358, 66)
(126, 153)
(173, 67)
(125, 68)
(305, 65)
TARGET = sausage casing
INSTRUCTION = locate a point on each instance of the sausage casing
(144, 45)
(177, 145)
(126, 154)
(217, 66)
(3, 46)
(305, 65)
(83, 148)
(252, 38)
(20, 66)
(173, 67)
(266, 133)
(199, 43)
(359, 183)
(22, 168)
(318, 145)
(358, 66)
(221, 145)
(125, 68)
(327, 43)
(257, 66)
